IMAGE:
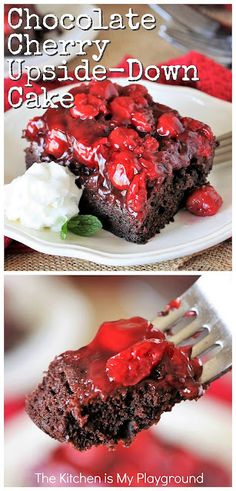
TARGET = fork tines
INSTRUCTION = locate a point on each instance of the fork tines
(223, 152)
(197, 323)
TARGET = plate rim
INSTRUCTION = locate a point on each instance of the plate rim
(118, 259)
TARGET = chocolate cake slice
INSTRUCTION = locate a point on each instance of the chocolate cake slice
(136, 159)
(115, 386)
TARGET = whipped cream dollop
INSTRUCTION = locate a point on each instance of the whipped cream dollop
(44, 196)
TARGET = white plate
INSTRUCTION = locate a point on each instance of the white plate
(73, 35)
(188, 234)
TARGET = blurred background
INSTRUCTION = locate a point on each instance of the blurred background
(47, 315)
(180, 28)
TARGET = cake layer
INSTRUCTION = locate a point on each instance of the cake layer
(116, 386)
(160, 209)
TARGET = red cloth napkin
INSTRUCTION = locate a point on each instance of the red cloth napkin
(215, 80)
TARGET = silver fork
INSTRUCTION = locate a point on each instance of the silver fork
(219, 46)
(203, 320)
(223, 152)
(186, 16)
(188, 28)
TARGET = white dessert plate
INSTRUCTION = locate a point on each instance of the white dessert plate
(66, 35)
(188, 234)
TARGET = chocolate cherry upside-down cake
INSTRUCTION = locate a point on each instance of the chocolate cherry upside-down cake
(114, 387)
(136, 159)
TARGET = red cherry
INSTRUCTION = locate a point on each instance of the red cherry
(118, 176)
(173, 305)
(143, 120)
(116, 336)
(152, 170)
(80, 98)
(101, 104)
(104, 89)
(56, 143)
(34, 127)
(123, 138)
(122, 108)
(148, 147)
(135, 89)
(138, 93)
(121, 169)
(195, 125)
(137, 193)
(135, 363)
(147, 157)
(151, 145)
(169, 125)
(204, 201)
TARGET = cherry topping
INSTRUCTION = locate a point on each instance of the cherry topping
(173, 304)
(137, 193)
(135, 89)
(104, 89)
(125, 352)
(169, 125)
(195, 125)
(87, 106)
(34, 127)
(150, 144)
(56, 143)
(124, 333)
(121, 169)
(135, 363)
(122, 108)
(138, 93)
(204, 201)
(181, 369)
(97, 134)
(122, 138)
(150, 169)
(147, 153)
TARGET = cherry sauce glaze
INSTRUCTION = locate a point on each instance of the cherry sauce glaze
(123, 353)
(119, 141)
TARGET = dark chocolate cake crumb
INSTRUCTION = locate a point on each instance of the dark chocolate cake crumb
(118, 385)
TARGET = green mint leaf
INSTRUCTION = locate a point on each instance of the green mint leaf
(85, 225)
(64, 230)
